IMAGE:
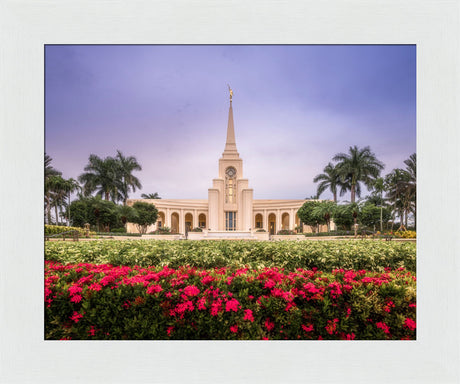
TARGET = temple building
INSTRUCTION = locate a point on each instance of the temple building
(230, 210)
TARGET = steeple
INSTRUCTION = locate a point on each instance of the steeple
(230, 150)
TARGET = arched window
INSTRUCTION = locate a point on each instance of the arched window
(230, 185)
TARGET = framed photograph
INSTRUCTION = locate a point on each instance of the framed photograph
(228, 118)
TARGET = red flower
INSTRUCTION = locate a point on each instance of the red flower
(191, 290)
(76, 317)
(269, 325)
(74, 289)
(350, 337)
(383, 326)
(76, 299)
(409, 323)
(248, 315)
(234, 328)
(154, 289)
(169, 330)
(308, 328)
(232, 305)
(95, 287)
(331, 326)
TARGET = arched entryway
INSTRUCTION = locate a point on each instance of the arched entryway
(175, 223)
(161, 220)
(272, 224)
(188, 222)
(259, 221)
(202, 220)
(285, 221)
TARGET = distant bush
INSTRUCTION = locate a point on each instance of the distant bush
(286, 232)
(57, 229)
(197, 229)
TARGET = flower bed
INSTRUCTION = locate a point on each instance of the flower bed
(325, 256)
(89, 301)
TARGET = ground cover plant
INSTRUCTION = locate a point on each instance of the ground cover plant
(88, 301)
(325, 256)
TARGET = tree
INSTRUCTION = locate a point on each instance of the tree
(151, 196)
(397, 194)
(70, 185)
(325, 209)
(97, 212)
(50, 172)
(346, 216)
(330, 179)
(128, 180)
(309, 216)
(378, 186)
(102, 176)
(371, 215)
(356, 167)
(146, 214)
(126, 213)
(54, 194)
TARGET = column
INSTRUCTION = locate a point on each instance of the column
(292, 220)
(195, 219)
(168, 218)
(181, 221)
(265, 220)
(278, 221)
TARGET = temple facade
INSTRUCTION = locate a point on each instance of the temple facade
(230, 209)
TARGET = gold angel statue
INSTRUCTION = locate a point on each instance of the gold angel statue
(231, 92)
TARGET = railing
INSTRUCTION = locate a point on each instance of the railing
(72, 234)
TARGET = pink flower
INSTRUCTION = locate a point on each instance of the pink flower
(76, 317)
(409, 323)
(95, 287)
(216, 307)
(92, 331)
(412, 305)
(191, 290)
(74, 289)
(383, 326)
(169, 330)
(201, 303)
(308, 328)
(232, 305)
(269, 324)
(248, 315)
(350, 337)
(154, 289)
(331, 326)
(76, 299)
(234, 328)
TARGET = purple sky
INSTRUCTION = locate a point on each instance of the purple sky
(294, 108)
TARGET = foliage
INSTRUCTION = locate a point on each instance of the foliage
(162, 231)
(111, 177)
(56, 229)
(309, 216)
(370, 215)
(343, 216)
(325, 210)
(95, 211)
(197, 229)
(261, 230)
(285, 232)
(150, 196)
(405, 234)
(323, 255)
(356, 167)
(330, 179)
(102, 302)
(145, 214)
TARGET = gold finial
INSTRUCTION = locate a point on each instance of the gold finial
(231, 92)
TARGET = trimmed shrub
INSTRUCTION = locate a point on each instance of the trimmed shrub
(57, 229)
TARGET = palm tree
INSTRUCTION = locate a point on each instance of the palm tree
(411, 191)
(330, 179)
(396, 184)
(70, 185)
(356, 167)
(378, 186)
(128, 180)
(103, 177)
(55, 191)
(150, 196)
(326, 210)
(49, 172)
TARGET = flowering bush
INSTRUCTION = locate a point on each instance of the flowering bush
(90, 301)
(56, 229)
(325, 256)
(406, 234)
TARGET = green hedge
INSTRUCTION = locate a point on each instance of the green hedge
(57, 229)
(87, 301)
(324, 255)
